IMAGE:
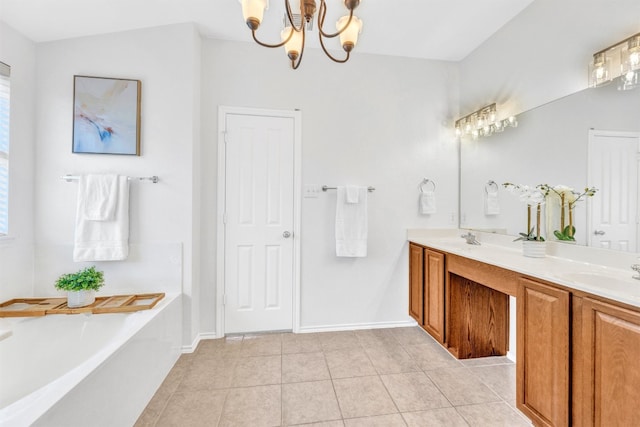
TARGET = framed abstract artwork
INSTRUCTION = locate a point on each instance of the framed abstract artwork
(106, 115)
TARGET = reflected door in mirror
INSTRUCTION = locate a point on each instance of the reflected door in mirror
(613, 170)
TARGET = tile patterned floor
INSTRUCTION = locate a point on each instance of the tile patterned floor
(381, 377)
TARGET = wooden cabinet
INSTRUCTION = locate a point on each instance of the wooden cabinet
(542, 367)
(426, 289)
(578, 355)
(433, 319)
(610, 372)
(416, 283)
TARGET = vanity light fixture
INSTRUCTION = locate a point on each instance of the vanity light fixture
(293, 35)
(483, 122)
(620, 61)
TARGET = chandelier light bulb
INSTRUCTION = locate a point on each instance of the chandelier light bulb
(293, 47)
(253, 12)
(349, 37)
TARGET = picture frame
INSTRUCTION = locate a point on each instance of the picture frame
(106, 115)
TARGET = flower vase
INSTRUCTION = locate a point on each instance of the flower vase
(77, 299)
(534, 248)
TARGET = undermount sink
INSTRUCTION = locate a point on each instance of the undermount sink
(603, 281)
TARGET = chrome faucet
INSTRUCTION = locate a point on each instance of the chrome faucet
(471, 239)
(636, 268)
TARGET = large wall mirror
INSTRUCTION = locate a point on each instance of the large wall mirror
(590, 138)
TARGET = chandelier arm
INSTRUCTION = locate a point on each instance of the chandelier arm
(341, 61)
(290, 16)
(253, 33)
(321, 15)
(296, 64)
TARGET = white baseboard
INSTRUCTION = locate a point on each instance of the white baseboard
(309, 329)
(356, 326)
(203, 336)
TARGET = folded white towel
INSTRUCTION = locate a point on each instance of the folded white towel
(104, 240)
(428, 202)
(100, 196)
(491, 204)
(351, 224)
(352, 195)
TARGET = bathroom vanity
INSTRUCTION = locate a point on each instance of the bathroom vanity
(578, 324)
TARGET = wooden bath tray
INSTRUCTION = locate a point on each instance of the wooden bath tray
(29, 307)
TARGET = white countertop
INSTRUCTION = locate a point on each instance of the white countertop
(572, 267)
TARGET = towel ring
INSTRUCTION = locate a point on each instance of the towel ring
(491, 187)
(427, 181)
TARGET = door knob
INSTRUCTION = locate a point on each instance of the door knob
(599, 233)
(286, 234)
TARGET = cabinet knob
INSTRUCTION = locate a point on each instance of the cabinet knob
(599, 233)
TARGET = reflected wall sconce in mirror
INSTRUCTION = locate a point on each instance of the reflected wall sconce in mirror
(484, 122)
(620, 61)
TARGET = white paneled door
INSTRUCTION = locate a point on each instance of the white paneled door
(613, 170)
(259, 223)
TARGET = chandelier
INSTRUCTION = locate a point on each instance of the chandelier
(293, 35)
(484, 122)
(620, 61)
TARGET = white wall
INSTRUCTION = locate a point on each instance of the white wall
(162, 221)
(377, 121)
(16, 252)
(543, 53)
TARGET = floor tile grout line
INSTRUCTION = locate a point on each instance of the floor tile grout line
(333, 386)
(168, 399)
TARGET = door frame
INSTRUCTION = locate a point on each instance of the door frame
(593, 133)
(296, 115)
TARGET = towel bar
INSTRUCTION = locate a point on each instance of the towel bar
(326, 188)
(153, 179)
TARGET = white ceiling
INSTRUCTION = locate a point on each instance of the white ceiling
(432, 29)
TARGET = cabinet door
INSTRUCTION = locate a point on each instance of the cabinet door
(416, 282)
(542, 373)
(434, 294)
(611, 372)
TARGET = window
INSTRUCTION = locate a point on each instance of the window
(5, 72)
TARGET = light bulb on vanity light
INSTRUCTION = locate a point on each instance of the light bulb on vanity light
(599, 73)
(630, 64)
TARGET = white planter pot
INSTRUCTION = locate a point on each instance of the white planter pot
(534, 249)
(80, 298)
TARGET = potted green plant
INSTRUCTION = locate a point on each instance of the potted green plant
(81, 286)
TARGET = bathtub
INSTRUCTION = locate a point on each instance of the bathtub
(87, 370)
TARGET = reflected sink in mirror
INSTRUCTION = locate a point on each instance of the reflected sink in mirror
(605, 281)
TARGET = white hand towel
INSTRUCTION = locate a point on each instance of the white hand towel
(106, 240)
(100, 196)
(491, 204)
(352, 195)
(427, 202)
(351, 224)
